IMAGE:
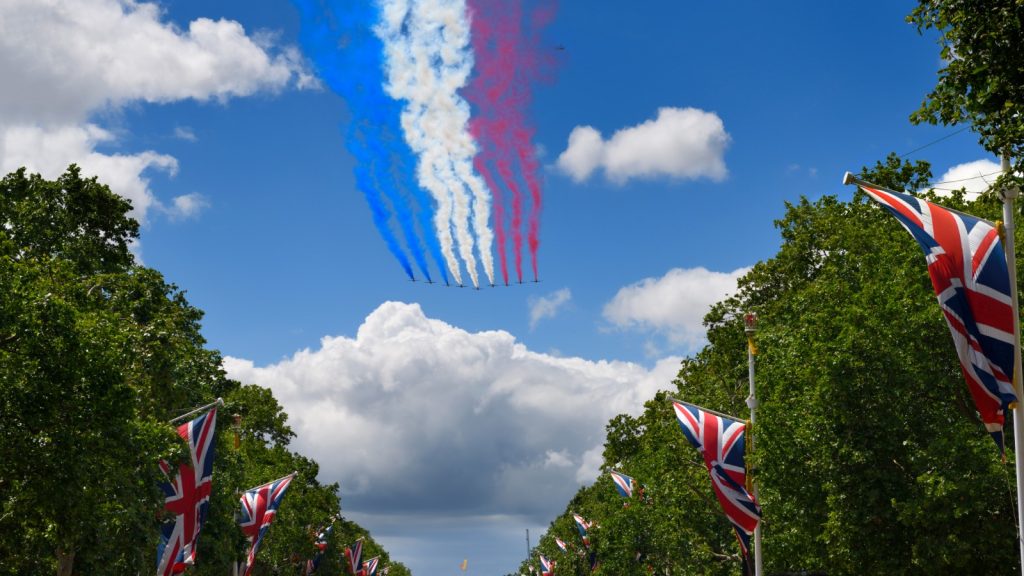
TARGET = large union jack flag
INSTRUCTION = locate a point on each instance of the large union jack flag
(547, 567)
(259, 508)
(624, 484)
(720, 441)
(187, 496)
(354, 556)
(967, 266)
(370, 566)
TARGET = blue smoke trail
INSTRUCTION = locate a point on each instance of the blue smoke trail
(338, 36)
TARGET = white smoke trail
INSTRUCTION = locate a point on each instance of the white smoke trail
(427, 60)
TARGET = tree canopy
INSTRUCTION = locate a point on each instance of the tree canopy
(870, 458)
(97, 355)
(982, 78)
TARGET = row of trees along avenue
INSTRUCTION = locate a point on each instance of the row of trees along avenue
(870, 456)
(97, 354)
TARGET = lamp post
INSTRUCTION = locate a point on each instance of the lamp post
(1009, 194)
(750, 328)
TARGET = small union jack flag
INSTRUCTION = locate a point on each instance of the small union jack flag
(321, 547)
(370, 566)
(967, 266)
(187, 496)
(584, 529)
(354, 556)
(720, 441)
(562, 545)
(259, 508)
(547, 567)
(624, 484)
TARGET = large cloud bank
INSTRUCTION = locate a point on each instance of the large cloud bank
(416, 416)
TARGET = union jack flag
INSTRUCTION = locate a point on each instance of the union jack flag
(370, 566)
(259, 507)
(562, 545)
(547, 567)
(354, 556)
(720, 441)
(321, 547)
(584, 528)
(624, 484)
(187, 496)
(967, 266)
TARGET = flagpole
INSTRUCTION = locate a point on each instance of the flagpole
(708, 410)
(1008, 195)
(750, 328)
(217, 402)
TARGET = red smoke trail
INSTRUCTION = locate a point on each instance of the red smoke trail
(539, 19)
(505, 170)
(529, 162)
(507, 61)
(485, 92)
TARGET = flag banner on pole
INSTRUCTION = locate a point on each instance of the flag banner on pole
(321, 547)
(259, 507)
(547, 567)
(354, 557)
(967, 266)
(561, 545)
(187, 496)
(465, 564)
(584, 528)
(624, 484)
(720, 441)
(370, 566)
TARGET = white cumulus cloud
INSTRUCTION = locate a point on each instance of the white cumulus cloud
(681, 143)
(674, 304)
(49, 151)
(415, 415)
(66, 61)
(548, 306)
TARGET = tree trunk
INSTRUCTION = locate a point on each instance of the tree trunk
(65, 561)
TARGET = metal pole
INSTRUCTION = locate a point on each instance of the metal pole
(527, 544)
(750, 327)
(217, 402)
(1009, 194)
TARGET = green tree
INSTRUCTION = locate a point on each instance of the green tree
(71, 414)
(97, 354)
(870, 456)
(982, 81)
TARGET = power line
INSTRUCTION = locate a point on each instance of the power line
(971, 178)
(933, 142)
(935, 186)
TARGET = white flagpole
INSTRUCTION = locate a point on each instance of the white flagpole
(1009, 194)
(217, 402)
(750, 328)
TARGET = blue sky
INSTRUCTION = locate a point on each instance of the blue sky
(455, 418)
